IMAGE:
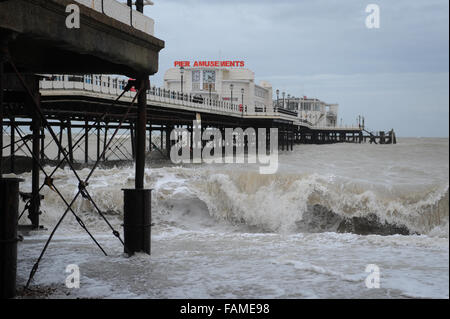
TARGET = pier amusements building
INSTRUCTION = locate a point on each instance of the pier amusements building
(223, 84)
(227, 81)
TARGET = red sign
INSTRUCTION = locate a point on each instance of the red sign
(210, 64)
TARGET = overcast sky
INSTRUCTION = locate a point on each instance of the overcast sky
(397, 76)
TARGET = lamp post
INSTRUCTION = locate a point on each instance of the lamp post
(242, 92)
(284, 94)
(278, 97)
(210, 88)
(182, 78)
(231, 89)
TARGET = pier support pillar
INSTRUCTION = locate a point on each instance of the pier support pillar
(105, 142)
(42, 149)
(137, 220)
(382, 138)
(133, 141)
(141, 130)
(13, 144)
(98, 141)
(9, 204)
(86, 141)
(35, 198)
(61, 129)
(292, 140)
(69, 140)
(2, 57)
(150, 141)
(168, 142)
(137, 202)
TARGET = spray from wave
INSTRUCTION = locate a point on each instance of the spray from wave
(313, 203)
(382, 195)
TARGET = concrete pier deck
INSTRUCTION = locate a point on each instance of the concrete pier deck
(102, 44)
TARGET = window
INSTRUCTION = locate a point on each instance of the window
(209, 76)
(195, 76)
(209, 86)
(260, 92)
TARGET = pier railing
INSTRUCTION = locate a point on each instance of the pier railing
(111, 87)
(123, 13)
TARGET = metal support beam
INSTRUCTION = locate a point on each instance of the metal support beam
(133, 142)
(61, 130)
(13, 144)
(150, 142)
(69, 140)
(105, 141)
(168, 143)
(141, 124)
(36, 200)
(137, 202)
(86, 142)
(42, 145)
(98, 141)
(2, 69)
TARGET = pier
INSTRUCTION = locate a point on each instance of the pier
(54, 81)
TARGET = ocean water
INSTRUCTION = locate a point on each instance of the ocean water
(225, 231)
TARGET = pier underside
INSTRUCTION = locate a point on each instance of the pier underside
(39, 41)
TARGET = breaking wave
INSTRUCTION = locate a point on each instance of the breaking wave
(313, 203)
(205, 197)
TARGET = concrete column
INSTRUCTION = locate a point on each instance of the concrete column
(9, 204)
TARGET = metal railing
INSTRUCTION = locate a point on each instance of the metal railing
(113, 86)
(123, 13)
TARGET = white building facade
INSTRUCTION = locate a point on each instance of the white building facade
(223, 84)
(310, 110)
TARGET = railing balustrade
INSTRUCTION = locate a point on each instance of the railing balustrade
(114, 86)
(123, 13)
